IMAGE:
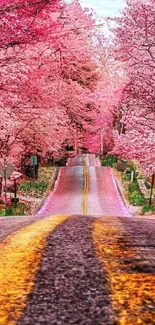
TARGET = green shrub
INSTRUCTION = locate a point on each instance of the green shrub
(146, 209)
(42, 187)
(126, 176)
(136, 198)
(2, 211)
(5, 211)
(127, 173)
(109, 161)
(105, 161)
(20, 209)
(25, 186)
(133, 187)
(134, 194)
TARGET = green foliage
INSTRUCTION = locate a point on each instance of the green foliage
(127, 173)
(2, 211)
(148, 209)
(136, 198)
(126, 176)
(109, 161)
(20, 209)
(133, 187)
(134, 194)
(30, 186)
(105, 161)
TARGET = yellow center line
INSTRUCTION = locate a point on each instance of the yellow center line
(20, 255)
(85, 189)
(133, 294)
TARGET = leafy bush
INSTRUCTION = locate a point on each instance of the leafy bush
(126, 176)
(134, 194)
(127, 173)
(105, 161)
(2, 211)
(20, 209)
(148, 209)
(136, 198)
(133, 187)
(109, 161)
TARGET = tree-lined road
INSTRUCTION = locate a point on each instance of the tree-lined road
(85, 187)
(82, 260)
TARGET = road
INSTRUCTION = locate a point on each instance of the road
(85, 187)
(82, 260)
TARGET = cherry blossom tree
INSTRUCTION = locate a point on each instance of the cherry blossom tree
(135, 47)
(22, 24)
(26, 21)
(49, 89)
(59, 83)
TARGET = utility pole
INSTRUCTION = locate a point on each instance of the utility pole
(76, 141)
(101, 143)
(152, 183)
(5, 187)
(15, 192)
(34, 161)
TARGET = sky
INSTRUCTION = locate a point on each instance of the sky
(104, 7)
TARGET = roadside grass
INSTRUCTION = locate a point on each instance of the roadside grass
(32, 192)
(21, 209)
(147, 209)
(133, 194)
(36, 188)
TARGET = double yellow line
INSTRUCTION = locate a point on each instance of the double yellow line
(131, 287)
(20, 255)
(85, 188)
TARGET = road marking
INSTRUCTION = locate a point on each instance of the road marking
(85, 189)
(20, 255)
(133, 292)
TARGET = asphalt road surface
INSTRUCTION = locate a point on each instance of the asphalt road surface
(83, 259)
(85, 187)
